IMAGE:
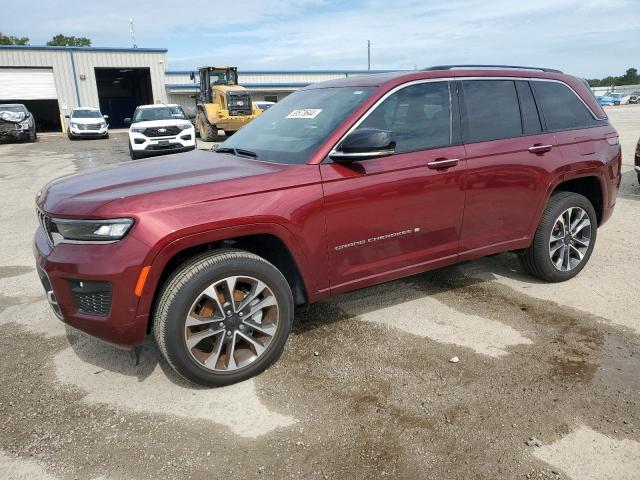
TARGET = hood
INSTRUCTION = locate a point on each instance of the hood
(13, 117)
(87, 121)
(86, 193)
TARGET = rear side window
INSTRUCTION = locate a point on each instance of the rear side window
(419, 117)
(530, 118)
(491, 110)
(561, 107)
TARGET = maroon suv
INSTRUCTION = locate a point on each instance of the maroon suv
(341, 185)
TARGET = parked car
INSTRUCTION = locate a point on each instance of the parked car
(614, 98)
(17, 123)
(87, 122)
(637, 160)
(264, 105)
(341, 185)
(634, 97)
(160, 129)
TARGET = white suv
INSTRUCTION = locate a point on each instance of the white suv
(160, 129)
(87, 122)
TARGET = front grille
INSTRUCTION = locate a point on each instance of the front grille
(161, 131)
(91, 297)
(45, 222)
(92, 126)
(239, 103)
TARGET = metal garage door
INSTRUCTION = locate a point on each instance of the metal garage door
(27, 84)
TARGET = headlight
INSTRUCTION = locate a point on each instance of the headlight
(25, 124)
(63, 230)
(184, 126)
(75, 125)
(137, 129)
(103, 124)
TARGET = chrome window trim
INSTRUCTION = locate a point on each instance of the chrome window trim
(453, 79)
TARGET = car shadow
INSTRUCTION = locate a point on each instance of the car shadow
(105, 357)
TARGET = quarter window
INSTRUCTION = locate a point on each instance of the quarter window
(492, 110)
(419, 117)
(561, 108)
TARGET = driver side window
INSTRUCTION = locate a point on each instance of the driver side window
(419, 117)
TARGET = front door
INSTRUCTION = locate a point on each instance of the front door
(391, 216)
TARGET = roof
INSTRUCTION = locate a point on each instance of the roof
(84, 49)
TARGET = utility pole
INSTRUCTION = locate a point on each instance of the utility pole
(368, 54)
(132, 32)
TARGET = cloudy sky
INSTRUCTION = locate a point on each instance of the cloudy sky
(590, 38)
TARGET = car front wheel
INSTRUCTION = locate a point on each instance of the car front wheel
(223, 317)
(564, 239)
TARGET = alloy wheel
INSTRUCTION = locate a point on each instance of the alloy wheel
(231, 323)
(570, 239)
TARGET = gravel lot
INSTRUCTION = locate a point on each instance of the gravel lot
(547, 385)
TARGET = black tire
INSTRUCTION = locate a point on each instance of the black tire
(183, 288)
(133, 154)
(536, 259)
(638, 174)
(33, 136)
(71, 137)
(106, 136)
(208, 132)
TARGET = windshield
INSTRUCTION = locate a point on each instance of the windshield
(223, 77)
(86, 114)
(158, 113)
(12, 108)
(292, 129)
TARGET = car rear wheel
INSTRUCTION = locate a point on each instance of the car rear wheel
(223, 317)
(564, 239)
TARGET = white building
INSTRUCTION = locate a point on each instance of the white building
(51, 81)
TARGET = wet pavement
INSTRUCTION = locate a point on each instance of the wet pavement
(364, 389)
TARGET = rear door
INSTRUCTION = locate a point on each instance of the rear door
(508, 161)
(387, 216)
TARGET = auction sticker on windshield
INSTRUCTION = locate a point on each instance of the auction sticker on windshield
(305, 113)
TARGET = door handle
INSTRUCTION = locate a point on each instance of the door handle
(441, 163)
(539, 148)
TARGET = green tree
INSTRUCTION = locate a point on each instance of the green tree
(630, 78)
(61, 40)
(11, 40)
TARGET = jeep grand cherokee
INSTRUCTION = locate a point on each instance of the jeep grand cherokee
(339, 186)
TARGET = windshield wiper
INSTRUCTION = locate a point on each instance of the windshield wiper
(238, 152)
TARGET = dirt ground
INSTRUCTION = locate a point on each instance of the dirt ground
(547, 386)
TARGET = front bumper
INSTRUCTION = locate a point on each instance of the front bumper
(76, 132)
(8, 131)
(62, 268)
(186, 140)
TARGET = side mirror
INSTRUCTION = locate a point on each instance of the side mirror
(106, 117)
(363, 144)
(67, 116)
(127, 121)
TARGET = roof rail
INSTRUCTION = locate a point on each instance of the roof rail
(506, 67)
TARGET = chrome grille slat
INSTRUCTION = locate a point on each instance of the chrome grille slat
(45, 222)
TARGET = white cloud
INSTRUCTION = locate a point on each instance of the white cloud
(568, 34)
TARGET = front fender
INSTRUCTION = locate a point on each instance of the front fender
(160, 260)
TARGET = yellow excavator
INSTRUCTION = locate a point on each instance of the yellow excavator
(221, 103)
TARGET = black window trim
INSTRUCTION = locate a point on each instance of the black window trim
(455, 133)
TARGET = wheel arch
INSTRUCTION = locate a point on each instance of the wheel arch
(589, 186)
(273, 243)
